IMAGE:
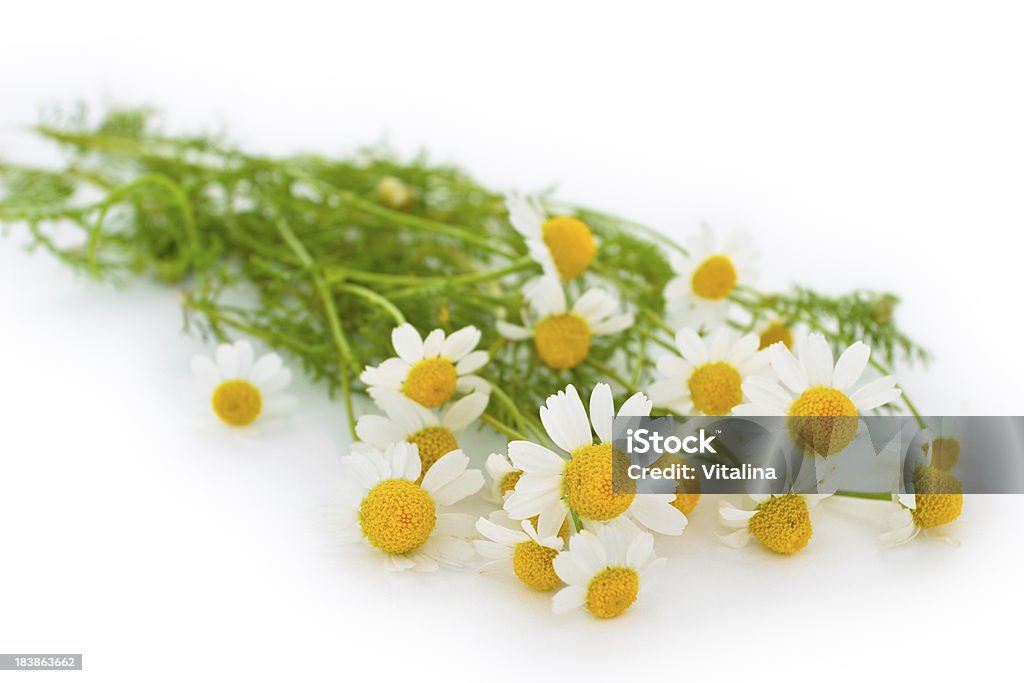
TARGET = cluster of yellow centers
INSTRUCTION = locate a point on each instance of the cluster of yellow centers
(432, 443)
(397, 516)
(782, 524)
(237, 402)
(822, 420)
(611, 592)
(939, 497)
(571, 244)
(715, 278)
(596, 483)
(776, 332)
(562, 341)
(431, 382)
(715, 388)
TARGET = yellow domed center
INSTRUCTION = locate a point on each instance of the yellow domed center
(715, 388)
(432, 443)
(715, 278)
(611, 592)
(782, 524)
(431, 382)
(397, 516)
(939, 497)
(532, 564)
(822, 420)
(945, 453)
(596, 483)
(237, 402)
(562, 341)
(509, 481)
(571, 244)
(774, 333)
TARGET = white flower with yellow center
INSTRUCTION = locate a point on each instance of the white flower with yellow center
(430, 371)
(502, 477)
(242, 389)
(936, 503)
(782, 523)
(518, 546)
(606, 568)
(593, 481)
(405, 420)
(776, 331)
(387, 505)
(562, 336)
(562, 245)
(817, 396)
(699, 293)
(708, 377)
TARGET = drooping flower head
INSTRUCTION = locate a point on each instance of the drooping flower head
(518, 546)
(782, 523)
(592, 482)
(563, 335)
(401, 514)
(936, 503)
(562, 245)
(243, 390)
(430, 371)
(606, 568)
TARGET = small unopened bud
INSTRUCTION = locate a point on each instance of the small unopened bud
(394, 193)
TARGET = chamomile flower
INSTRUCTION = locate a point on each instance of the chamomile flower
(936, 503)
(782, 523)
(817, 395)
(502, 476)
(242, 389)
(699, 292)
(562, 336)
(776, 331)
(606, 569)
(562, 245)
(518, 546)
(707, 377)
(406, 420)
(430, 371)
(592, 482)
(388, 506)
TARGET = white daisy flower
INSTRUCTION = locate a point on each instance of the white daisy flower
(562, 336)
(606, 569)
(782, 523)
(936, 503)
(819, 397)
(518, 546)
(430, 371)
(502, 477)
(587, 483)
(699, 293)
(708, 378)
(406, 420)
(243, 389)
(562, 245)
(776, 331)
(387, 505)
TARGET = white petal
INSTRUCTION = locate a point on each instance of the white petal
(244, 354)
(378, 430)
(277, 381)
(570, 571)
(547, 297)
(736, 539)
(492, 550)
(816, 357)
(433, 343)
(513, 332)
(636, 405)
(790, 372)
(655, 511)
(407, 342)
(500, 534)
(850, 366)
(530, 457)
(445, 470)
(468, 483)
(594, 305)
(876, 393)
(602, 411)
(472, 362)
(612, 325)
(568, 599)
(460, 343)
(465, 411)
(691, 347)
(266, 367)
(639, 551)
(566, 421)
(227, 361)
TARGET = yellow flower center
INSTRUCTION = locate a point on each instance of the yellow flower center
(509, 481)
(562, 341)
(237, 402)
(715, 388)
(774, 333)
(571, 245)
(432, 443)
(532, 564)
(939, 497)
(397, 516)
(596, 485)
(822, 420)
(687, 490)
(782, 524)
(945, 453)
(715, 278)
(431, 382)
(611, 592)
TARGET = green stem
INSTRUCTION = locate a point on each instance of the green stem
(864, 495)
(374, 298)
(607, 370)
(500, 426)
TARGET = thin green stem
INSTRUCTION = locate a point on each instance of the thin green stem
(374, 298)
(864, 495)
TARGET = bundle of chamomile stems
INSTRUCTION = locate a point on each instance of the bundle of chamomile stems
(453, 308)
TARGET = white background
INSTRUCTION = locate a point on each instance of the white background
(862, 145)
